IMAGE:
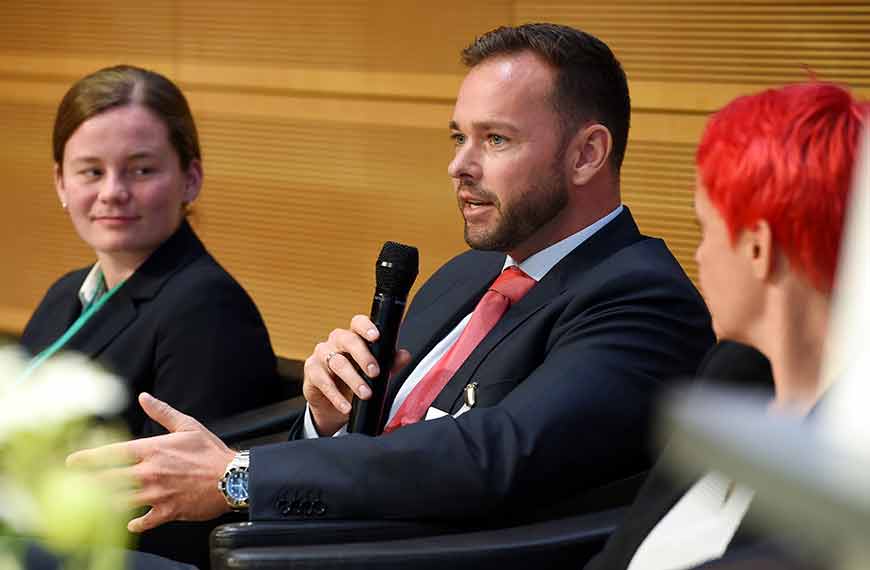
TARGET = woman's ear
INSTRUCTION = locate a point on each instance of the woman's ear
(193, 181)
(757, 244)
(589, 152)
(58, 186)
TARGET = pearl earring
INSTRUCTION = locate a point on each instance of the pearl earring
(63, 205)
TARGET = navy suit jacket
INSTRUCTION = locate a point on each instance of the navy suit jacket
(566, 379)
(180, 328)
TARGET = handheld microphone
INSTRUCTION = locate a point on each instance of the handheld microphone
(395, 272)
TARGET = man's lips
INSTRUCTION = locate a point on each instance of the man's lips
(474, 208)
(473, 201)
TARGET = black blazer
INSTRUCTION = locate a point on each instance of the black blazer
(566, 379)
(727, 362)
(182, 329)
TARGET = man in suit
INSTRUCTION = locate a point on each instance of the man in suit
(594, 319)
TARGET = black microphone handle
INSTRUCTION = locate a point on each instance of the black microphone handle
(366, 415)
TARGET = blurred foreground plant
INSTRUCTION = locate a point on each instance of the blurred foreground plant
(43, 417)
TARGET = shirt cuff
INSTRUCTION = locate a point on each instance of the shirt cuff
(310, 432)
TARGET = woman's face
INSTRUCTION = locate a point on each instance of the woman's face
(122, 182)
(725, 274)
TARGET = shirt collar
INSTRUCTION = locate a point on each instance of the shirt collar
(91, 286)
(538, 265)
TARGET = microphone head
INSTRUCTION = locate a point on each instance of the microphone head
(396, 269)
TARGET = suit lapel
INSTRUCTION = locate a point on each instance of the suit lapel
(123, 308)
(537, 298)
(104, 325)
(574, 267)
(443, 312)
(64, 309)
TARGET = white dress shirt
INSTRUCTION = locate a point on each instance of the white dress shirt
(535, 266)
(92, 285)
(698, 528)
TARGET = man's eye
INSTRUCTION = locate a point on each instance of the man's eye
(458, 139)
(497, 140)
(143, 171)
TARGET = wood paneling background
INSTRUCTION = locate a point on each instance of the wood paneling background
(323, 123)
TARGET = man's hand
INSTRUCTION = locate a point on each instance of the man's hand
(176, 473)
(330, 377)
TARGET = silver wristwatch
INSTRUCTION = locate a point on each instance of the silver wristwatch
(234, 484)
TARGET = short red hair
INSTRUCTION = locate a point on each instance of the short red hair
(786, 156)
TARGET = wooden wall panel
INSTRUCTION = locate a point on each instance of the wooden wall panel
(316, 209)
(760, 42)
(118, 31)
(657, 183)
(392, 36)
(323, 122)
(37, 243)
(686, 58)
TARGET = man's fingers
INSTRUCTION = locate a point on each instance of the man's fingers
(152, 519)
(326, 385)
(145, 498)
(350, 343)
(363, 326)
(166, 415)
(118, 479)
(107, 456)
(403, 357)
(341, 366)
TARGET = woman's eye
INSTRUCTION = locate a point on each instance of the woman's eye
(91, 173)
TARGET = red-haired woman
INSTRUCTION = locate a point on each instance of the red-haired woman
(774, 175)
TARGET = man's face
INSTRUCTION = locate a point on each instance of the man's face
(724, 273)
(508, 169)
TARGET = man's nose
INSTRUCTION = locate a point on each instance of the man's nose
(466, 163)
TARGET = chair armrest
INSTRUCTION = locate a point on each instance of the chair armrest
(271, 423)
(571, 541)
(298, 533)
(262, 425)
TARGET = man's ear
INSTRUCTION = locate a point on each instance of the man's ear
(589, 152)
(756, 243)
(193, 181)
(58, 185)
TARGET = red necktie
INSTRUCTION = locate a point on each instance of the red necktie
(507, 289)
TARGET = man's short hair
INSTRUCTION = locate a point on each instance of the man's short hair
(786, 156)
(590, 82)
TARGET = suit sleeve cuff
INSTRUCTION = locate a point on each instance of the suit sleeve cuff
(310, 432)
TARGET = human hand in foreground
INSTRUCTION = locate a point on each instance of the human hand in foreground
(176, 474)
(330, 377)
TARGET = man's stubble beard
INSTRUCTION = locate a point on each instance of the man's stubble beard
(524, 216)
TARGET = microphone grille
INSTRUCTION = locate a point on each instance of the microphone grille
(396, 269)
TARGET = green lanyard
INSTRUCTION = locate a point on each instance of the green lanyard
(95, 305)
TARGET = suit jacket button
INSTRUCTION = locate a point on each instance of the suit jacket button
(305, 507)
(295, 507)
(319, 508)
(283, 506)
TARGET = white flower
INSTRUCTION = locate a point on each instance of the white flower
(18, 508)
(65, 387)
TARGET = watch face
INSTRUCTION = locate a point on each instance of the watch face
(237, 485)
